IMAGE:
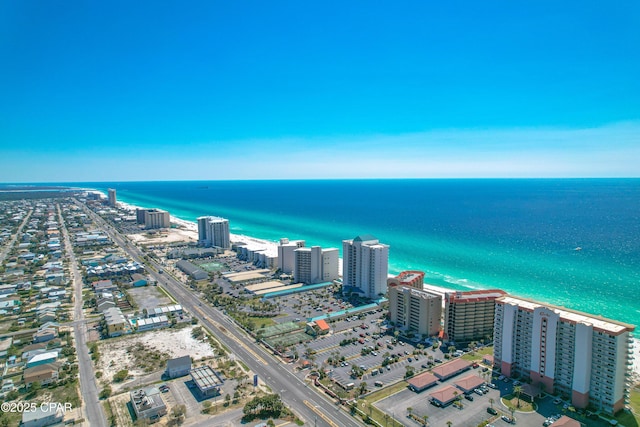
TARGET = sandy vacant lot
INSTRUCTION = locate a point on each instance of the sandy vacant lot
(167, 344)
(169, 236)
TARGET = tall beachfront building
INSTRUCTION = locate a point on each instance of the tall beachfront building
(413, 279)
(315, 265)
(286, 255)
(469, 316)
(214, 231)
(585, 357)
(156, 218)
(112, 197)
(411, 308)
(365, 265)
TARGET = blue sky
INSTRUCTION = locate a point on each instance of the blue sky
(104, 91)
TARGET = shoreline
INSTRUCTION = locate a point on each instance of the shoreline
(258, 243)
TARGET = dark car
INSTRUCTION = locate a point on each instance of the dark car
(492, 411)
(468, 397)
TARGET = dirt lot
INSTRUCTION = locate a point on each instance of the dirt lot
(166, 236)
(141, 354)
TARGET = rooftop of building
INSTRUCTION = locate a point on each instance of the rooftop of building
(450, 368)
(469, 382)
(178, 362)
(410, 276)
(421, 293)
(445, 394)
(147, 398)
(205, 378)
(365, 238)
(322, 324)
(572, 316)
(422, 380)
(475, 296)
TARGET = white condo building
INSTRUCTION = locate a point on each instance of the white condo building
(365, 265)
(286, 254)
(315, 265)
(214, 231)
(585, 357)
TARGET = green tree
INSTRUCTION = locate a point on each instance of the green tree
(120, 376)
(491, 401)
(362, 388)
(105, 392)
(517, 390)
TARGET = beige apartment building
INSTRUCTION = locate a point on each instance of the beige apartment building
(414, 309)
(468, 316)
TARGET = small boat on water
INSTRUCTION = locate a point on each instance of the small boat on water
(578, 249)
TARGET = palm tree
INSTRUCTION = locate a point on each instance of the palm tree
(424, 419)
(491, 402)
(449, 423)
(517, 390)
(362, 389)
(512, 410)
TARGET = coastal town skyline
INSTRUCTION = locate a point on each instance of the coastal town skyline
(249, 91)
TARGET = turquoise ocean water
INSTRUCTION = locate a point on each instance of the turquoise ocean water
(517, 235)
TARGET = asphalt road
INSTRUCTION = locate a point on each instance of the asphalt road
(88, 387)
(295, 393)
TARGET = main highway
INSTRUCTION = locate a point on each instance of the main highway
(305, 402)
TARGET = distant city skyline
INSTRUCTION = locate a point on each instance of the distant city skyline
(129, 92)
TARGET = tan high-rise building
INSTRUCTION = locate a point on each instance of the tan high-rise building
(588, 358)
(112, 197)
(416, 310)
(468, 316)
(414, 279)
(156, 218)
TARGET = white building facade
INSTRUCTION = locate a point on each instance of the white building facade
(585, 357)
(286, 254)
(315, 265)
(365, 265)
(214, 231)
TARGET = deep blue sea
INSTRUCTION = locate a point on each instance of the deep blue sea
(519, 235)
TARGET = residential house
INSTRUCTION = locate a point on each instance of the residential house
(116, 323)
(42, 359)
(42, 418)
(44, 374)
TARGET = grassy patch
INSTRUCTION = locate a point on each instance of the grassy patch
(477, 355)
(386, 392)
(520, 405)
(261, 322)
(376, 414)
(628, 419)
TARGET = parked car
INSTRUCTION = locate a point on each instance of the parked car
(468, 397)
(492, 411)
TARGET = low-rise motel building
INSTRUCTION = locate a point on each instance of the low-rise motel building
(588, 358)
